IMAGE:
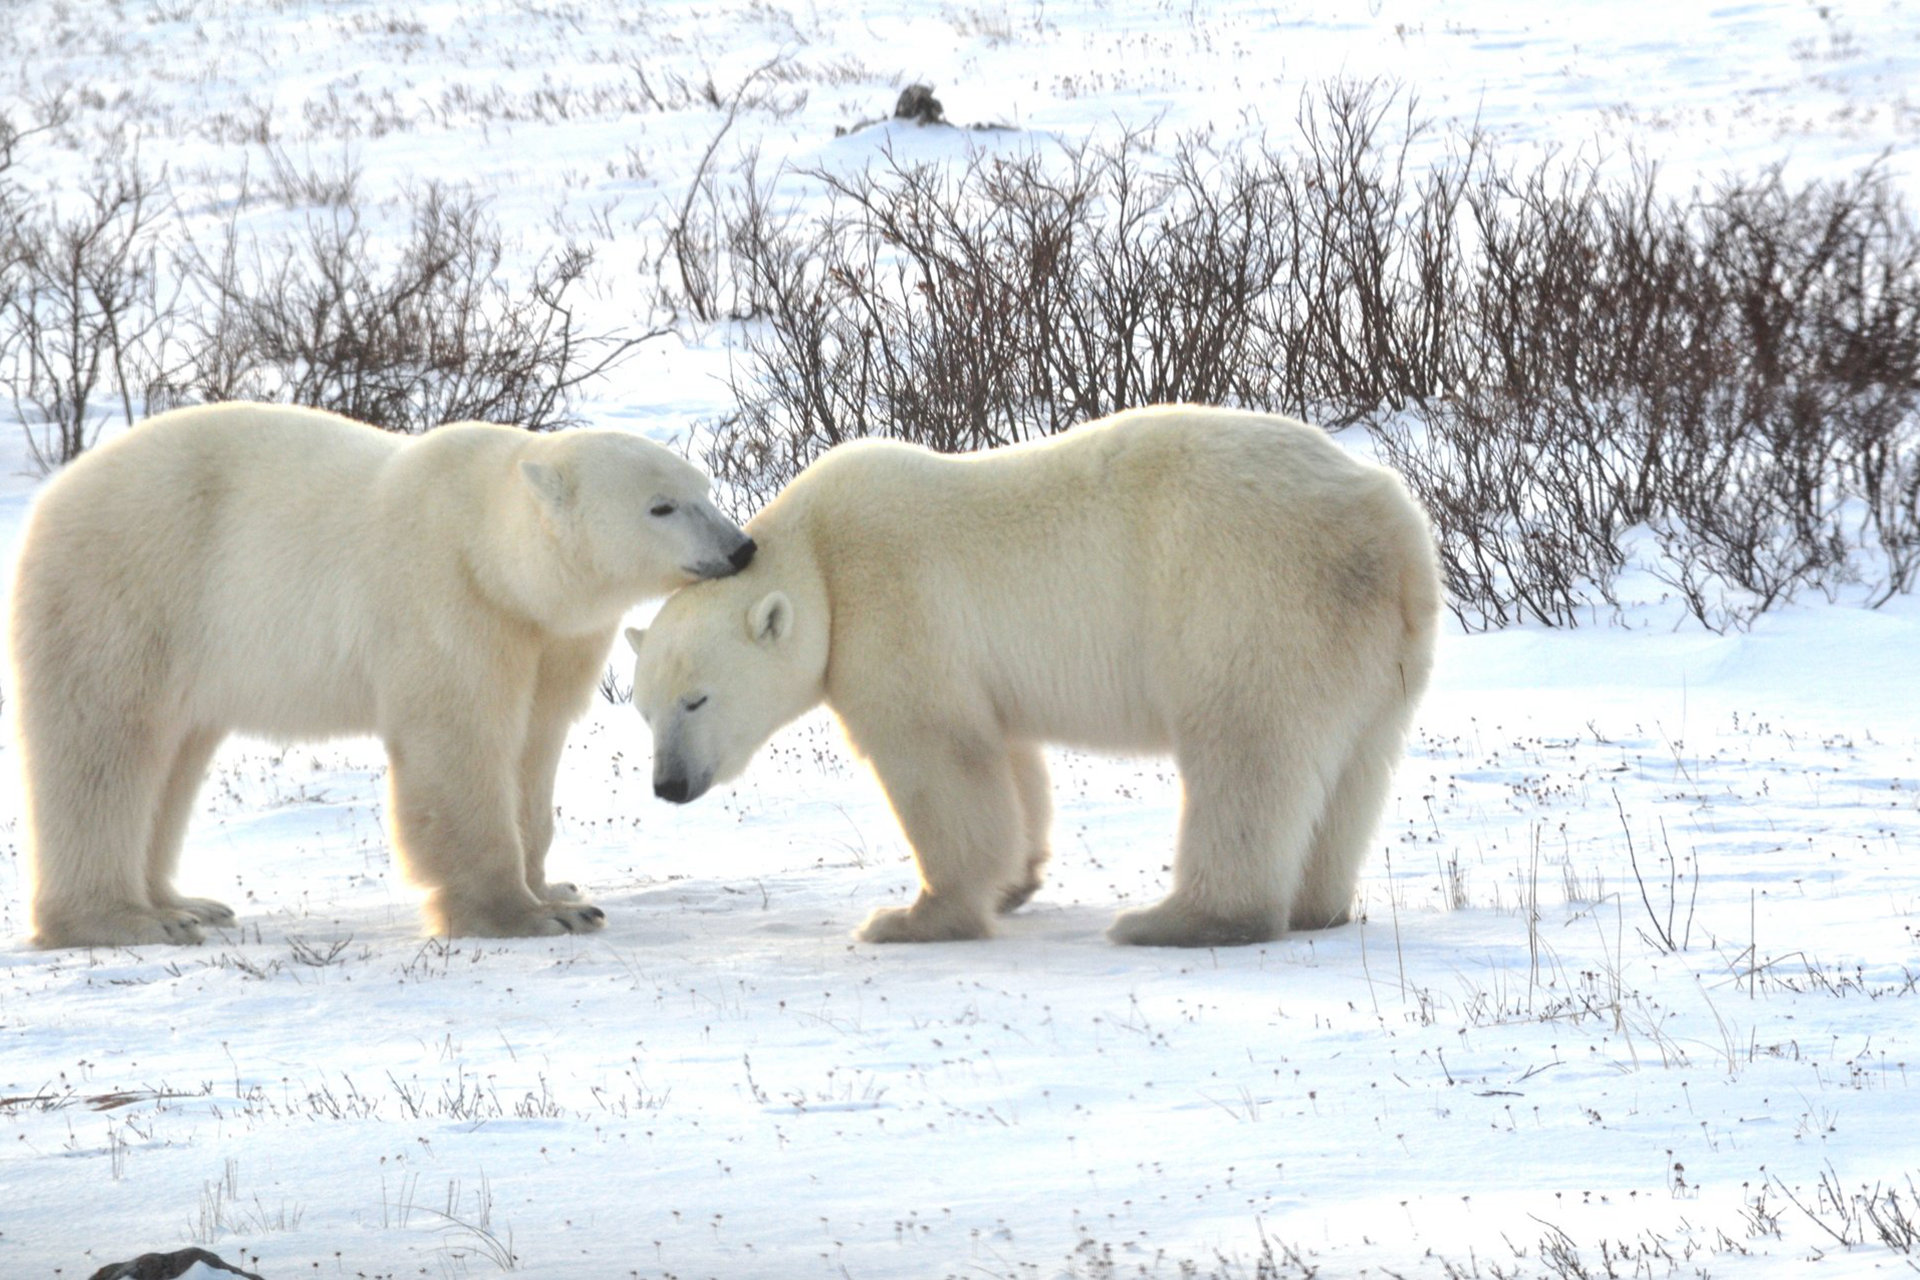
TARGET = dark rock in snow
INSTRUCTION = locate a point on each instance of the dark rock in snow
(918, 104)
(166, 1266)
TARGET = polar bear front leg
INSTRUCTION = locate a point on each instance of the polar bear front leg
(569, 672)
(955, 798)
(455, 801)
(1035, 790)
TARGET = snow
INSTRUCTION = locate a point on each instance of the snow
(1637, 982)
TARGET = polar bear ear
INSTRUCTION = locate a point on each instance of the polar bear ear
(634, 636)
(549, 484)
(771, 618)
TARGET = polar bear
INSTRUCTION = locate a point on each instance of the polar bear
(1233, 588)
(291, 573)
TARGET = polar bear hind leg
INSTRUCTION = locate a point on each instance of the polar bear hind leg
(1339, 847)
(1251, 801)
(94, 795)
(189, 770)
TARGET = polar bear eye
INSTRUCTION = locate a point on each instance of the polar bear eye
(661, 509)
(694, 704)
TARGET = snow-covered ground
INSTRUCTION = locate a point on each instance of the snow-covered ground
(1638, 983)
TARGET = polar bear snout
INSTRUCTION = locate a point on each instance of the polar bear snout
(677, 788)
(680, 775)
(725, 563)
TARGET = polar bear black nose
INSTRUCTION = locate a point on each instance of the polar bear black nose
(743, 554)
(673, 789)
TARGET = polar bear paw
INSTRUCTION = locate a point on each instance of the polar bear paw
(125, 927)
(927, 920)
(1307, 917)
(577, 917)
(1016, 896)
(532, 919)
(204, 910)
(558, 891)
(1173, 923)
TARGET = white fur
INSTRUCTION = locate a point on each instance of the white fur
(286, 572)
(1229, 587)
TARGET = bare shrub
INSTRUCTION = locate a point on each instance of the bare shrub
(1023, 293)
(1366, 317)
(689, 266)
(1003, 302)
(309, 183)
(404, 338)
(313, 319)
(78, 305)
(1736, 373)
(1565, 361)
(1525, 532)
(12, 209)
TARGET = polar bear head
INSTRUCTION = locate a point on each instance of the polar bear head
(632, 514)
(723, 666)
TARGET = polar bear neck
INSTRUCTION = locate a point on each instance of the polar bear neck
(516, 562)
(786, 561)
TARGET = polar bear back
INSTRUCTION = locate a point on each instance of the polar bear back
(1087, 586)
(256, 524)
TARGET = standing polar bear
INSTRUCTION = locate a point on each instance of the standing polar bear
(1230, 587)
(291, 573)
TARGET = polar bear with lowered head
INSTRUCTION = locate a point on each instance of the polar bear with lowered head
(1232, 588)
(290, 573)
